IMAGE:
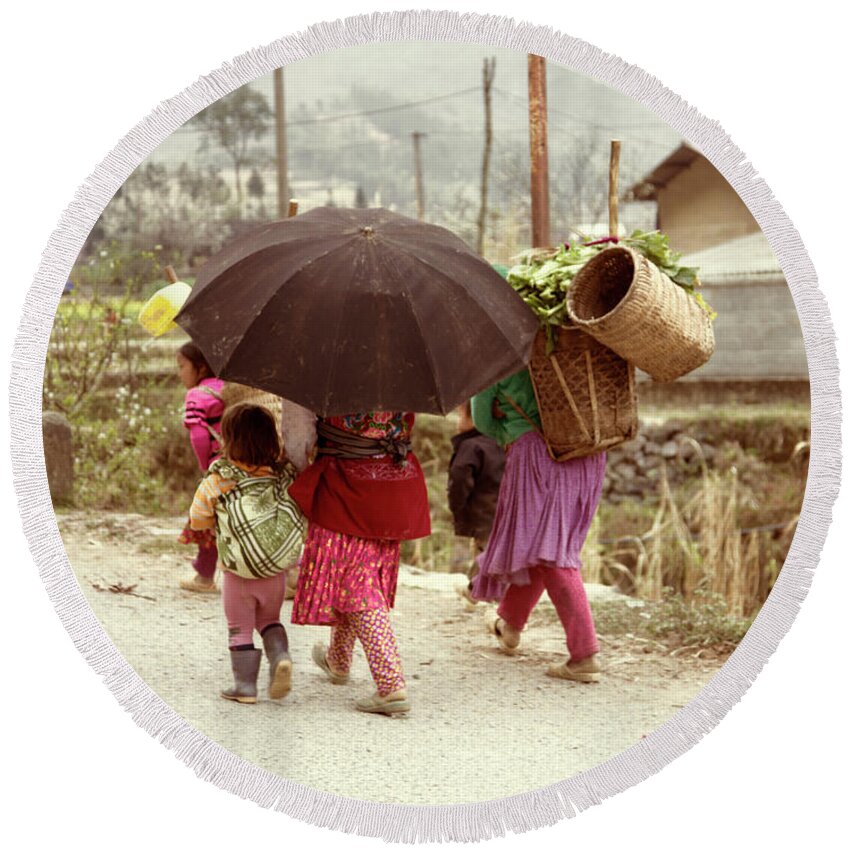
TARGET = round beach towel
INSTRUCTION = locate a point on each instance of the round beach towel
(702, 546)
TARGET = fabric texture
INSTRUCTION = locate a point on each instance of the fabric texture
(566, 590)
(543, 516)
(375, 633)
(202, 415)
(206, 559)
(251, 604)
(298, 428)
(205, 562)
(340, 573)
(372, 497)
(475, 471)
(259, 528)
(512, 425)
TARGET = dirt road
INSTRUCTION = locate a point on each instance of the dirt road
(483, 725)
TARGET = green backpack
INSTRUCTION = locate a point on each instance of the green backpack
(259, 526)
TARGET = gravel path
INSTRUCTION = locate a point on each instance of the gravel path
(483, 725)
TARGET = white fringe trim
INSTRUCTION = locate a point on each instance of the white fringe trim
(470, 822)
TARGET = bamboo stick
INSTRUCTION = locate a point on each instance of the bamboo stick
(614, 189)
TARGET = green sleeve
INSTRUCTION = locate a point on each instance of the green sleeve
(482, 415)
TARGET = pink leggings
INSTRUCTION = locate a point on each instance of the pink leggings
(566, 590)
(251, 603)
(375, 633)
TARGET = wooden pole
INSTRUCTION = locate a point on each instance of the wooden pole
(538, 138)
(489, 74)
(280, 143)
(614, 189)
(170, 274)
(417, 163)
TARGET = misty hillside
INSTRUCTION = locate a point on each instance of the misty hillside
(350, 115)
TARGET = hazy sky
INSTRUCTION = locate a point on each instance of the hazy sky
(417, 70)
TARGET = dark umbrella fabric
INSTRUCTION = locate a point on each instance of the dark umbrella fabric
(343, 310)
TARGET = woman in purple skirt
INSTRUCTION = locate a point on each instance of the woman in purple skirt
(543, 515)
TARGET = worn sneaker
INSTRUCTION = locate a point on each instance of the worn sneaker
(587, 670)
(394, 703)
(320, 659)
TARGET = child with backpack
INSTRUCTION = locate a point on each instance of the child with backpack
(203, 410)
(259, 530)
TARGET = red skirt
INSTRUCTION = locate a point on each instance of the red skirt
(342, 574)
(368, 497)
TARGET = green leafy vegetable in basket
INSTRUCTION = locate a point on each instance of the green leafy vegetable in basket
(656, 248)
(541, 277)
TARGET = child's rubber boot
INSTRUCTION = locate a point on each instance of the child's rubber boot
(246, 668)
(587, 670)
(393, 703)
(280, 663)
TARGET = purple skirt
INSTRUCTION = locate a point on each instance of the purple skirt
(542, 518)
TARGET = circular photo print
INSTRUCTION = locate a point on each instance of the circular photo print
(421, 401)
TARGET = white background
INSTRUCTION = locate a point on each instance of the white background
(76, 78)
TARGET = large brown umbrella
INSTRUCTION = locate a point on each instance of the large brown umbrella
(343, 310)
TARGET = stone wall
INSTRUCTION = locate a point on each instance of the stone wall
(634, 469)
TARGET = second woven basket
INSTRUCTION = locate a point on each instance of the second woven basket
(585, 394)
(628, 304)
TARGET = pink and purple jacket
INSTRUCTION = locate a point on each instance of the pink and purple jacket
(203, 412)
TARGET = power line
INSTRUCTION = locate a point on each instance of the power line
(327, 119)
(394, 108)
(520, 99)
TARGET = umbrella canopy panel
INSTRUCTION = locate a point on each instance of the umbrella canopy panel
(343, 310)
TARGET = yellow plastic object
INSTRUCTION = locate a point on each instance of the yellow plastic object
(157, 314)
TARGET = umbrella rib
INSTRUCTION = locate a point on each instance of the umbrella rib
(444, 275)
(343, 313)
(257, 315)
(216, 282)
(428, 354)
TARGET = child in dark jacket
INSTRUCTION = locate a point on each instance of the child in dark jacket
(475, 470)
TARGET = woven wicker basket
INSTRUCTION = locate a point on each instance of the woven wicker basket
(625, 302)
(585, 393)
(233, 393)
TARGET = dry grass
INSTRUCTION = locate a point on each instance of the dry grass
(696, 544)
(696, 540)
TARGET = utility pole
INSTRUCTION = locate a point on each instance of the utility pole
(280, 139)
(538, 133)
(489, 74)
(417, 163)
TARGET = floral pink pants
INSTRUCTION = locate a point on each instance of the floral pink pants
(374, 631)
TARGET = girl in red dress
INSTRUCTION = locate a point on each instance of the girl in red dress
(364, 494)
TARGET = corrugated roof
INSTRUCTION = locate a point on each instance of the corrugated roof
(744, 260)
(647, 189)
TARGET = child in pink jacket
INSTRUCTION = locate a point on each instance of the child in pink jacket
(202, 418)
